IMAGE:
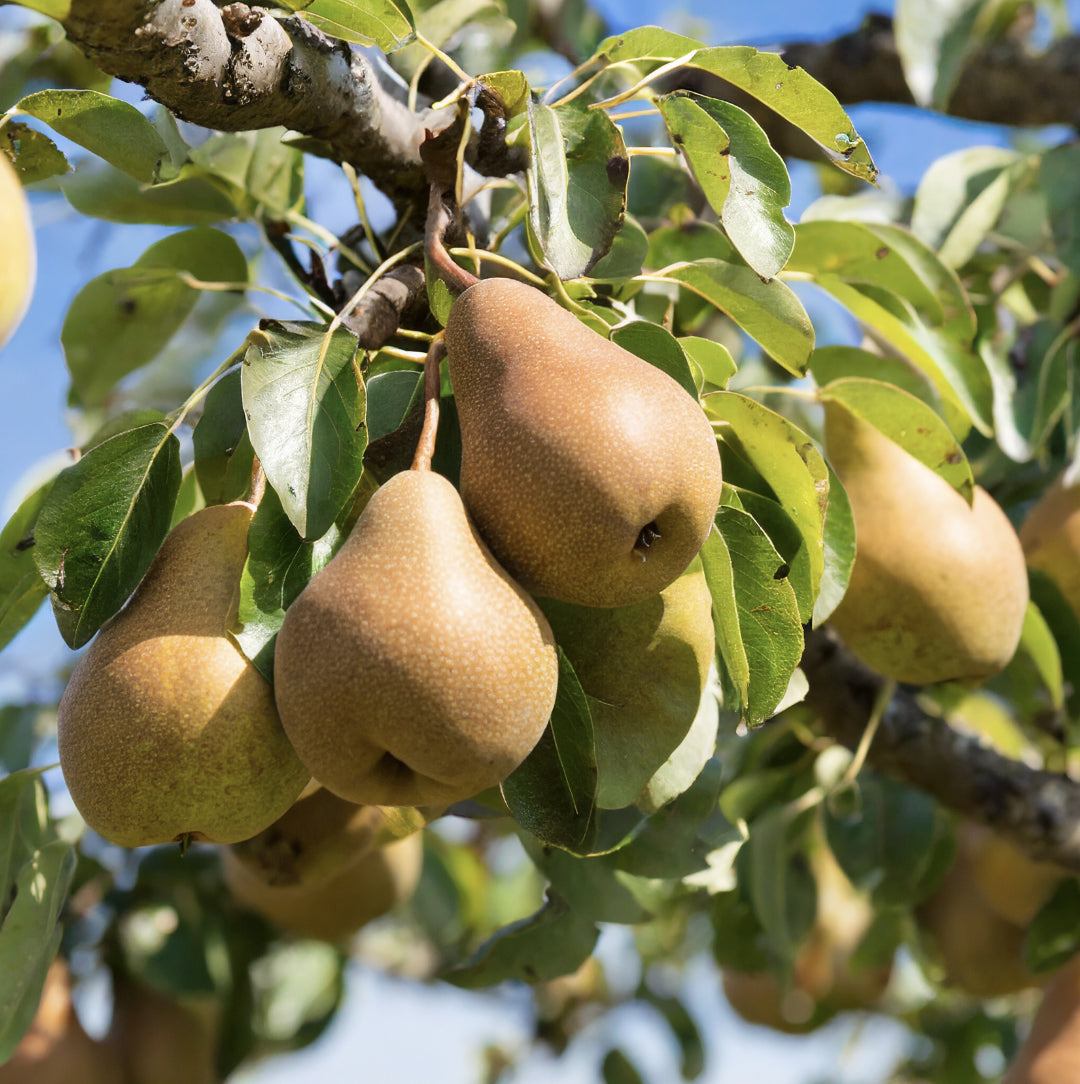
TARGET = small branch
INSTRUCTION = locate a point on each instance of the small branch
(239, 68)
(381, 310)
(425, 446)
(438, 222)
(1037, 810)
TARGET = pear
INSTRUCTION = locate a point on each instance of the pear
(980, 952)
(56, 1048)
(644, 669)
(161, 1040)
(165, 729)
(17, 254)
(592, 474)
(366, 885)
(314, 838)
(1050, 535)
(412, 670)
(939, 588)
(1051, 1052)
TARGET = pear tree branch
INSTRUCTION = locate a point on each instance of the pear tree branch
(1037, 810)
(239, 68)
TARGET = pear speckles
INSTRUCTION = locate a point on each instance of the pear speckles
(590, 473)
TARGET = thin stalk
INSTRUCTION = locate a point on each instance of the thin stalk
(361, 207)
(641, 84)
(425, 446)
(455, 277)
(485, 256)
(449, 61)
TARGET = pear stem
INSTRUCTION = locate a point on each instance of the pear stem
(438, 219)
(425, 446)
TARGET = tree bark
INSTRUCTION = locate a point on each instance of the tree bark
(1037, 810)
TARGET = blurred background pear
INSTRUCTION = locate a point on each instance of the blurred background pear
(18, 259)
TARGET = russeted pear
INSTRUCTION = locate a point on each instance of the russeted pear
(368, 883)
(980, 952)
(939, 588)
(643, 668)
(56, 1048)
(592, 474)
(412, 670)
(1051, 1052)
(17, 253)
(165, 729)
(1050, 535)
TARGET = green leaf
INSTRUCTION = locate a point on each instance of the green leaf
(769, 312)
(22, 590)
(305, 407)
(102, 523)
(1052, 938)
(56, 9)
(260, 173)
(512, 87)
(961, 197)
(1065, 626)
(713, 359)
(626, 256)
(839, 540)
(933, 40)
(1038, 643)
(829, 363)
(223, 453)
(385, 23)
(35, 156)
(552, 794)
(618, 1068)
(23, 820)
(742, 177)
(105, 126)
(577, 177)
(788, 460)
(389, 396)
(656, 345)
(278, 567)
(909, 422)
(720, 576)
(796, 96)
(554, 941)
(100, 191)
(122, 319)
(1060, 184)
(768, 613)
(888, 839)
(684, 1031)
(30, 936)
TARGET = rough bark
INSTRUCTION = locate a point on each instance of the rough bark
(1037, 810)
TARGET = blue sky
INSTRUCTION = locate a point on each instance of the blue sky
(437, 1031)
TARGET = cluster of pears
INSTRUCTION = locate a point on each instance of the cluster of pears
(939, 589)
(416, 669)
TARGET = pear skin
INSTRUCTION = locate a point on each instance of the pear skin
(367, 885)
(644, 669)
(165, 729)
(412, 670)
(939, 590)
(17, 254)
(1051, 1052)
(592, 475)
(1050, 535)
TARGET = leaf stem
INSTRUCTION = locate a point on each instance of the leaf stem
(641, 84)
(449, 61)
(425, 446)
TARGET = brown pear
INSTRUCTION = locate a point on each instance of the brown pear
(980, 952)
(165, 729)
(592, 474)
(56, 1049)
(939, 589)
(366, 885)
(1050, 535)
(1051, 1052)
(412, 670)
